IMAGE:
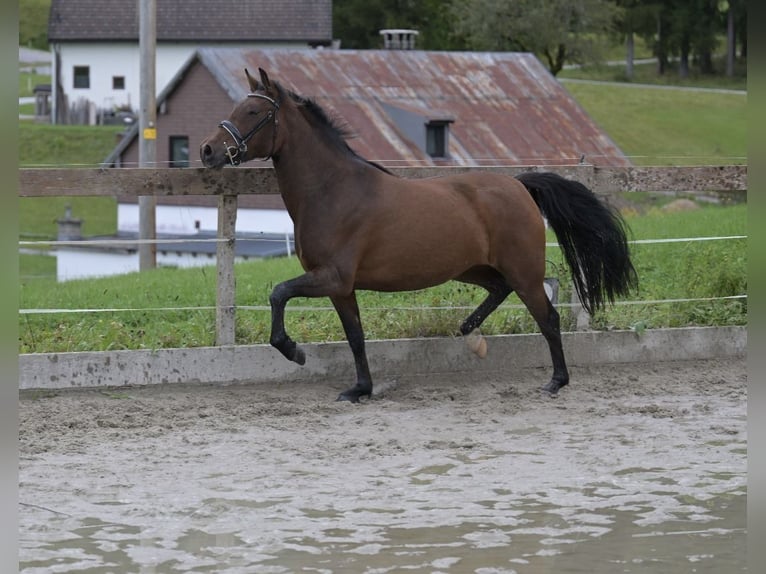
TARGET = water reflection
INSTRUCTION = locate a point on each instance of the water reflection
(538, 538)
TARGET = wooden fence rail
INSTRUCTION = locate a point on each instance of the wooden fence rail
(37, 182)
(229, 183)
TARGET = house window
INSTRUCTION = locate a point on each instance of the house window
(82, 76)
(118, 82)
(436, 139)
(179, 151)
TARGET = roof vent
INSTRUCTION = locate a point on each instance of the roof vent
(399, 39)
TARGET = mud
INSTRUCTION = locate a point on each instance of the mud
(632, 468)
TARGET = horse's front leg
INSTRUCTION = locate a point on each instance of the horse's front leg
(348, 311)
(320, 283)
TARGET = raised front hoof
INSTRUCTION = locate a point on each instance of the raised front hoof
(291, 351)
(353, 395)
(553, 387)
(298, 356)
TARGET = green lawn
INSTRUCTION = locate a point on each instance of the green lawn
(46, 145)
(28, 81)
(658, 126)
(43, 145)
(666, 271)
(38, 215)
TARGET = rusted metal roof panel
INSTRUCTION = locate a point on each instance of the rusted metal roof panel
(507, 109)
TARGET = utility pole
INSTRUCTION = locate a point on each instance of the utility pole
(147, 150)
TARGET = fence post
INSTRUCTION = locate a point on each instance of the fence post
(580, 317)
(225, 292)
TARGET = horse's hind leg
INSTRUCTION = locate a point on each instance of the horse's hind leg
(547, 318)
(497, 292)
(348, 311)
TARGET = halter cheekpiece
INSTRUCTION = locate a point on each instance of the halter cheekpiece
(236, 152)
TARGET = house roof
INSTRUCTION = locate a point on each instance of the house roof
(194, 20)
(507, 108)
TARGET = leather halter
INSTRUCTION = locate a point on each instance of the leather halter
(236, 152)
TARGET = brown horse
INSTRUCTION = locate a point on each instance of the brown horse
(357, 226)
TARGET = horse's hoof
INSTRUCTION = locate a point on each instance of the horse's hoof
(477, 343)
(353, 395)
(299, 356)
(553, 387)
(346, 397)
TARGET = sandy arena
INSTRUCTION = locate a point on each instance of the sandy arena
(632, 468)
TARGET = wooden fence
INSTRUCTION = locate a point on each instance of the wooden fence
(229, 183)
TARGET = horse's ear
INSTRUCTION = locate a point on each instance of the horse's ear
(265, 79)
(251, 81)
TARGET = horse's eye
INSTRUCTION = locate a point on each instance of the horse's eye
(254, 112)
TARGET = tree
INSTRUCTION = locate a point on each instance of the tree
(690, 30)
(33, 23)
(356, 23)
(560, 31)
(637, 17)
(736, 29)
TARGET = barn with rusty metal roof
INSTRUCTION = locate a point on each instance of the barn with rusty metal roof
(405, 107)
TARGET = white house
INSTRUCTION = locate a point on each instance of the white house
(95, 50)
(117, 254)
(120, 254)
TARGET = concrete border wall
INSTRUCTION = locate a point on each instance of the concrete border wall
(388, 358)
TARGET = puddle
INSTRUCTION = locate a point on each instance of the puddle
(537, 538)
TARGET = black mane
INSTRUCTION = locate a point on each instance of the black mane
(335, 128)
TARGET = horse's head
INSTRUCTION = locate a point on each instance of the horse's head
(250, 131)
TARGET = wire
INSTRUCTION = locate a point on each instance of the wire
(102, 242)
(308, 309)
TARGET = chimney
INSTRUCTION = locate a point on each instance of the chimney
(70, 229)
(398, 39)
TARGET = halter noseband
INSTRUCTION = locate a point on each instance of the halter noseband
(237, 151)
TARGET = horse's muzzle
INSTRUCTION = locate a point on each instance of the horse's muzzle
(209, 157)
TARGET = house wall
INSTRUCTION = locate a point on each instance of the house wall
(86, 263)
(179, 219)
(83, 263)
(119, 59)
(194, 111)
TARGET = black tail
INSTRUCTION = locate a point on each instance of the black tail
(592, 235)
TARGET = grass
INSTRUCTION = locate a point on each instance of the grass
(647, 74)
(42, 145)
(28, 81)
(37, 267)
(693, 270)
(45, 145)
(666, 271)
(668, 127)
(38, 215)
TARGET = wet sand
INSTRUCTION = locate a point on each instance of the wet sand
(632, 468)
